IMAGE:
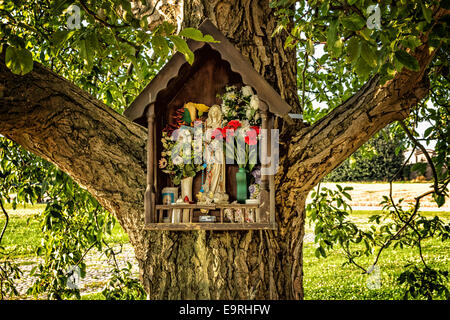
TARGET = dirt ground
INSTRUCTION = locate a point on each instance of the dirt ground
(367, 196)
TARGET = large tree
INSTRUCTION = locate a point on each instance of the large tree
(105, 153)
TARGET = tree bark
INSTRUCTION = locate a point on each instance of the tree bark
(105, 153)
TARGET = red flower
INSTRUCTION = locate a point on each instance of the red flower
(234, 124)
(251, 137)
(227, 132)
(256, 128)
(217, 134)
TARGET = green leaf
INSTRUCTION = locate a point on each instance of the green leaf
(338, 45)
(353, 49)
(196, 34)
(160, 46)
(440, 199)
(310, 47)
(368, 53)
(407, 60)
(421, 167)
(332, 35)
(86, 54)
(92, 42)
(363, 70)
(428, 131)
(317, 253)
(426, 12)
(187, 116)
(352, 2)
(365, 33)
(18, 60)
(411, 42)
(60, 37)
(182, 47)
(353, 22)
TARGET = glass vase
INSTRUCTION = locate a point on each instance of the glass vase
(241, 185)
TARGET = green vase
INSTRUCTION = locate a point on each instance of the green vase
(241, 185)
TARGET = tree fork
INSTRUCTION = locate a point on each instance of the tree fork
(105, 153)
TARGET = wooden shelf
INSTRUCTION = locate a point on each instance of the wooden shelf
(206, 206)
(210, 226)
(221, 224)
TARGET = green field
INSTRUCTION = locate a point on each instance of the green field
(323, 278)
(326, 278)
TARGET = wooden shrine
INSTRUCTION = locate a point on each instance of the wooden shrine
(216, 66)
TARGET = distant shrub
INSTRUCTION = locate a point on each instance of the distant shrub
(377, 160)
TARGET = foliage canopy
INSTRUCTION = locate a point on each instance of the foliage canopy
(113, 55)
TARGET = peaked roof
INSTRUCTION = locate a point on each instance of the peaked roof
(229, 53)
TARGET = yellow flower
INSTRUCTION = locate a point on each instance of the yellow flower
(201, 108)
(162, 163)
(191, 108)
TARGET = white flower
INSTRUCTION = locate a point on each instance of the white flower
(254, 103)
(198, 148)
(230, 96)
(225, 109)
(257, 116)
(248, 113)
(245, 125)
(177, 160)
(247, 91)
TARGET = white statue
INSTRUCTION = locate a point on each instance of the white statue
(214, 186)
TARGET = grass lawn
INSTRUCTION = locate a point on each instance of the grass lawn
(23, 235)
(323, 278)
(326, 278)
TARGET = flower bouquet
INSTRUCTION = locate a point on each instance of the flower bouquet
(240, 132)
(177, 158)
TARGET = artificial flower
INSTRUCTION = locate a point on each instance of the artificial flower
(192, 111)
(248, 113)
(254, 103)
(250, 138)
(256, 173)
(247, 91)
(234, 124)
(177, 160)
(256, 128)
(230, 96)
(217, 134)
(201, 108)
(162, 163)
(254, 190)
(227, 132)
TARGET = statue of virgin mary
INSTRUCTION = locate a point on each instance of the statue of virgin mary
(214, 186)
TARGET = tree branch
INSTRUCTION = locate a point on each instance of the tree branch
(315, 151)
(6, 221)
(100, 149)
(425, 153)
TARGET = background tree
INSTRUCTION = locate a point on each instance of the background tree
(118, 48)
(377, 160)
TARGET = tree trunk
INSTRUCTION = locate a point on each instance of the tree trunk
(105, 153)
(239, 264)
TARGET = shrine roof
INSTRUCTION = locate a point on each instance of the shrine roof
(177, 69)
